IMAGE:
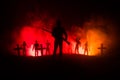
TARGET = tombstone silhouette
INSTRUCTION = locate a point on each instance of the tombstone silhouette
(102, 48)
(24, 48)
(47, 47)
(18, 48)
(41, 49)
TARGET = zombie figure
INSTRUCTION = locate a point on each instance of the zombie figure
(78, 44)
(86, 48)
(36, 47)
(58, 32)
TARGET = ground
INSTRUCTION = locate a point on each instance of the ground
(71, 66)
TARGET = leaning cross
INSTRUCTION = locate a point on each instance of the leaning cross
(102, 48)
(18, 50)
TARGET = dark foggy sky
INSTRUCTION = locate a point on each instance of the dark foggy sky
(13, 12)
(70, 10)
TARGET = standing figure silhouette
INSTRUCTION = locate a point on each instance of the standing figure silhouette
(36, 47)
(59, 34)
(77, 46)
(86, 49)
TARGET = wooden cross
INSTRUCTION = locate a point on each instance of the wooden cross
(102, 48)
(41, 49)
(18, 48)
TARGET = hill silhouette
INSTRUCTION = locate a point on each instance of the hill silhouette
(76, 66)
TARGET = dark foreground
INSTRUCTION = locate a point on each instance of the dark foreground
(71, 66)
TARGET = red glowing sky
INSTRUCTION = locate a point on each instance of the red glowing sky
(94, 36)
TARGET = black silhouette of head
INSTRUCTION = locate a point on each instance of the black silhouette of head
(58, 23)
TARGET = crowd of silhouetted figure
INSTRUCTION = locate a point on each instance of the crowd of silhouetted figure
(36, 48)
(60, 35)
